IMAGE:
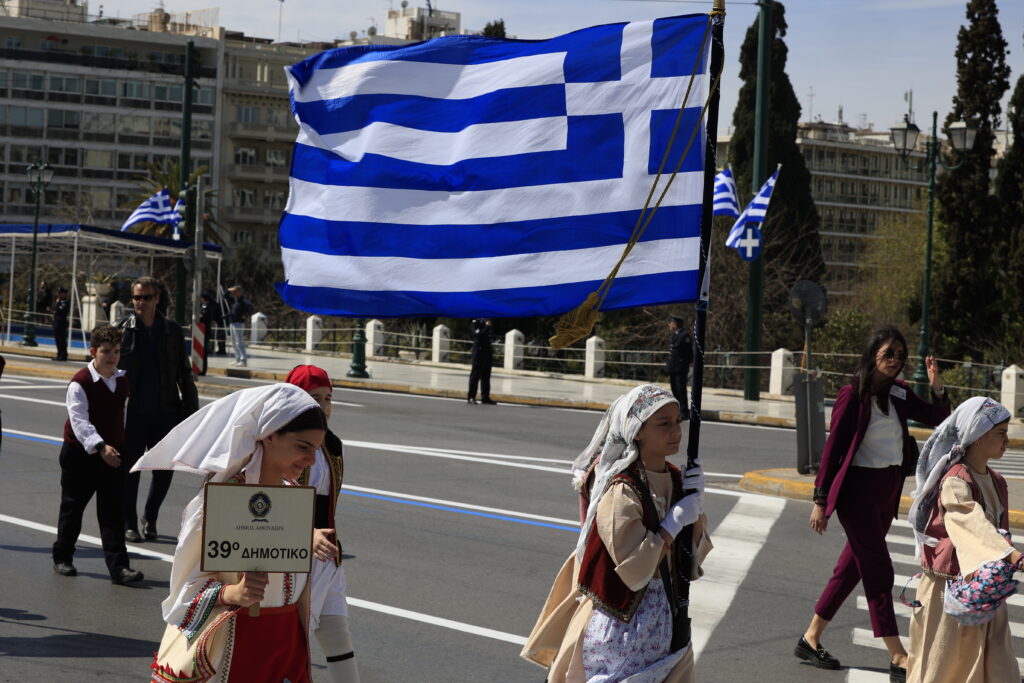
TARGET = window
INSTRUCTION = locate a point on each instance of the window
(137, 90)
(62, 156)
(241, 237)
(103, 51)
(12, 43)
(243, 198)
(247, 114)
(60, 118)
(30, 117)
(205, 95)
(98, 158)
(202, 130)
(100, 197)
(274, 200)
(26, 154)
(65, 84)
(106, 87)
(270, 240)
(127, 162)
(277, 158)
(245, 156)
(276, 116)
(28, 81)
(133, 125)
(48, 44)
(97, 123)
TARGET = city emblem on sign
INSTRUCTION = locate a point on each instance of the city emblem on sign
(259, 506)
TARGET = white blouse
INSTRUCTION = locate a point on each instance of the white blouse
(883, 442)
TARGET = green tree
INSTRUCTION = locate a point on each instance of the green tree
(494, 29)
(792, 245)
(970, 223)
(1009, 193)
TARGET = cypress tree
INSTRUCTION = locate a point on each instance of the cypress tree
(1009, 193)
(970, 224)
(792, 245)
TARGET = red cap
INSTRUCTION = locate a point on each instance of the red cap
(308, 377)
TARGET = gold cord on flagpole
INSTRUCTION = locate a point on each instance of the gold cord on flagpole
(577, 323)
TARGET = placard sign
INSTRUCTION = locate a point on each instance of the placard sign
(258, 528)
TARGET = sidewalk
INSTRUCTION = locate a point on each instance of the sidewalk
(522, 387)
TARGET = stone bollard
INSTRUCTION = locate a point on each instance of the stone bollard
(258, 325)
(314, 332)
(440, 344)
(374, 338)
(514, 350)
(117, 311)
(92, 312)
(1012, 394)
(780, 381)
(593, 366)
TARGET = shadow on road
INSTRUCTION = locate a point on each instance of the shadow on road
(66, 642)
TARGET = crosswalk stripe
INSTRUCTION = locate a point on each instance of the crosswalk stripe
(864, 676)
(902, 611)
(1015, 600)
(737, 539)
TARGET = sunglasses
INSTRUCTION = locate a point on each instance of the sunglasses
(890, 353)
(143, 297)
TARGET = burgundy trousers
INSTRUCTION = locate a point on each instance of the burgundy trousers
(866, 508)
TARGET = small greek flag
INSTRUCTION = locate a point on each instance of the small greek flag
(473, 177)
(755, 211)
(726, 203)
(156, 209)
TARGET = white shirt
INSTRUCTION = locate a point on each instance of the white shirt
(883, 441)
(78, 408)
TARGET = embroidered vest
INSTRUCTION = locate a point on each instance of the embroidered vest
(106, 408)
(597, 578)
(941, 559)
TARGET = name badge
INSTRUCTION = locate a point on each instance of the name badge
(899, 392)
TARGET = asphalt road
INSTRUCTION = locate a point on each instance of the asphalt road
(454, 521)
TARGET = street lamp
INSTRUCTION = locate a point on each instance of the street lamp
(904, 139)
(39, 176)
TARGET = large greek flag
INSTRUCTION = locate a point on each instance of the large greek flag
(156, 209)
(468, 176)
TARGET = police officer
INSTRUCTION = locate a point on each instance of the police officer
(482, 358)
(61, 309)
(680, 355)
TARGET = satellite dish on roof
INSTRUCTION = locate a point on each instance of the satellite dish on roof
(807, 302)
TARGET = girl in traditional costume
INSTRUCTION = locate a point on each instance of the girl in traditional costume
(960, 516)
(328, 614)
(610, 615)
(265, 435)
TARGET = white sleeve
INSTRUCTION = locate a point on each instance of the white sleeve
(193, 592)
(78, 414)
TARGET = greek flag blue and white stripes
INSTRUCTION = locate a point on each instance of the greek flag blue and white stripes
(156, 209)
(470, 177)
(755, 211)
(726, 202)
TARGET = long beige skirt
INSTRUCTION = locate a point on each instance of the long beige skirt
(942, 650)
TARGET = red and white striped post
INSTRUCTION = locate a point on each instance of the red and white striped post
(198, 347)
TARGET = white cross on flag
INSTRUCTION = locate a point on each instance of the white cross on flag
(753, 214)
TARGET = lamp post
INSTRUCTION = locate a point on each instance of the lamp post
(358, 366)
(904, 139)
(39, 176)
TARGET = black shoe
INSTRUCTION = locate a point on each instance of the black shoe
(819, 656)
(132, 536)
(148, 531)
(65, 569)
(489, 402)
(897, 674)
(126, 575)
(471, 401)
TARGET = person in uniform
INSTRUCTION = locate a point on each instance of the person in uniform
(680, 355)
(482, 357)
(61, 309)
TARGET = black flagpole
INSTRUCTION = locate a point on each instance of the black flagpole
(700, 320)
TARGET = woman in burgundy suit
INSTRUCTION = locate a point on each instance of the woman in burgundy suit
(865, 461)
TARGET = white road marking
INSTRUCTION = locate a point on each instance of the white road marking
(31, 386)
(862, 676)
(34, 400)
(737, 541)
(356, 602)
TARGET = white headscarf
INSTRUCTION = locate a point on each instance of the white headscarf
(947, 446)
(614, 443)
(219, 437)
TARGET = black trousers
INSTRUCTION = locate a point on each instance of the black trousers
(82, 475)
(480, 374)
(222, 338)
(144, 431)
(60, 334)
(677, 380)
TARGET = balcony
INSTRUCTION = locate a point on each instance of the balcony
(262, 131)
(246, 214)
(259, 173)
(58, 57)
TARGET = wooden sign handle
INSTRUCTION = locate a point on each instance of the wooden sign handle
(254, 609)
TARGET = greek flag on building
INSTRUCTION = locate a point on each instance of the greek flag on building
(755, 211)
(156, 209)
(726, 202)
(468, 176)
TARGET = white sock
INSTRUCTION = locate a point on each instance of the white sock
(336, 642)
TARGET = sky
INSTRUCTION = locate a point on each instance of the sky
(861, 55)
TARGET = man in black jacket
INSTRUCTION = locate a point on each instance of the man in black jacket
(482, 357)
(680, 355)
(61, 309)
(162, 394)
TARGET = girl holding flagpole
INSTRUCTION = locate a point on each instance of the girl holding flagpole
(265, 435)
(610, 614)
(868, 454)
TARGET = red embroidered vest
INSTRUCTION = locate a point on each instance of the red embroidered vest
(597, 578)
(941, 558)
(106, 408)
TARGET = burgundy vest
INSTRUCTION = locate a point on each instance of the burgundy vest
(106, 409)
(941, 558)
(598, 579)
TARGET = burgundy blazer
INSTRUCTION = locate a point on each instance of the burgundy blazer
(850, 418)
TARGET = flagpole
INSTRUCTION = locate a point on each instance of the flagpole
(685, 540)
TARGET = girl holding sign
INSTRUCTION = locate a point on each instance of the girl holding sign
(265, 435)
(328, 616)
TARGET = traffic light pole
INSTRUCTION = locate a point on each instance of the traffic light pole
(751, 373)
(185, 169)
